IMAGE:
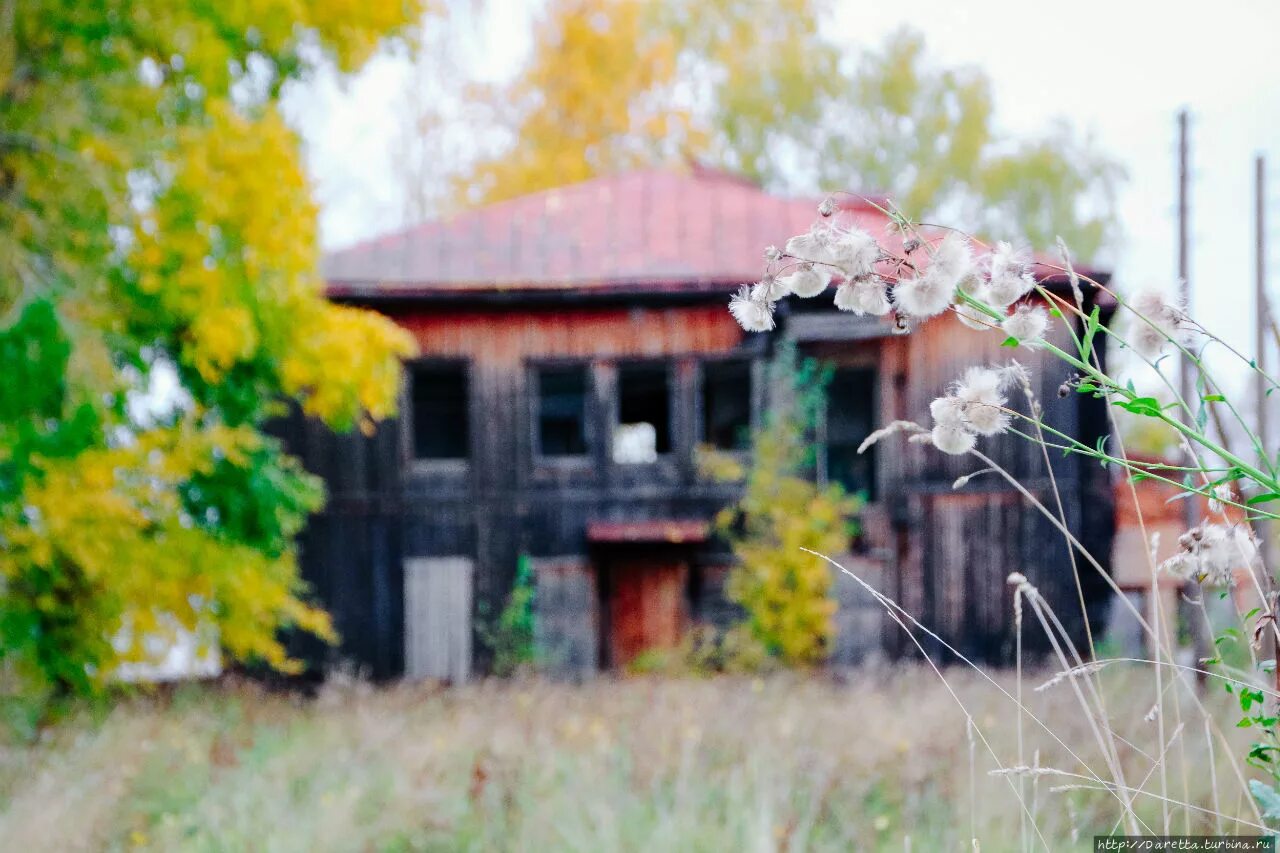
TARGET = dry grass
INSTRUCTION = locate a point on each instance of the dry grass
(784, 763)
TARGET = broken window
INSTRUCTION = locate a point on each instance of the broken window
(726, 404)
(562, 411)
(438, 409)
(851, 407)
(644, 414)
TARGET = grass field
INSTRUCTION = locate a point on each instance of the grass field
(879, 761)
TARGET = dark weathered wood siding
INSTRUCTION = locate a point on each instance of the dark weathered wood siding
(944, 554)
(956, 548)
(351, 551)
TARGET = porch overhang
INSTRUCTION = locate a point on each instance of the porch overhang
(664, 531)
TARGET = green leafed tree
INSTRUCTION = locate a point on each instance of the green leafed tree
(754, 87)
(157, 230)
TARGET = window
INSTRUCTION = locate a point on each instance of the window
(644, 414)
(438, 401)
(726, 404)
(851, 398)
(562, 411)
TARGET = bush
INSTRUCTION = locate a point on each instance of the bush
(784, 591)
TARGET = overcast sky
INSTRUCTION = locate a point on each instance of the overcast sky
(1119, 70)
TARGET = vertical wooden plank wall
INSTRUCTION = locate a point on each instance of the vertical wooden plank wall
(961, 545)
(350, 552)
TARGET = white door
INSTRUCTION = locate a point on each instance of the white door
(437, 618)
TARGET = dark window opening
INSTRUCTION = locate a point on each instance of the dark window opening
(644, 414)
(562, 411)
(851, 409)
(439, 410)
(726, 405)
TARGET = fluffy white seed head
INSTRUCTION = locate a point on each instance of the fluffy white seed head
(854, 252)
(929, 294)
(1010, 279)
(952, 259)
(817, 244)
(769, 289)
(980, 383)
(1210, 554)
(1182, 565)
(980, 393)
(846, 299)
(1027, 323)
(1156, 306)
(1157, 319)
(754, 315)
(1009, 289)
(1147, 341)
(948, 411)
(1221, 494)
(1014, 375)
(1006, 260)
(806, 281)
(864, 296)
(851, 250)
(925, 296)
(952, 439)
(811, 245)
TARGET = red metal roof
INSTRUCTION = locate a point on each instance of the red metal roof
(648, 229)
(645, 231)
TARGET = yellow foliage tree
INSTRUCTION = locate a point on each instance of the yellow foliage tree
(591, 100)
(155, 221)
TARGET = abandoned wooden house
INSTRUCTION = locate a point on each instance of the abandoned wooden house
(575, 351)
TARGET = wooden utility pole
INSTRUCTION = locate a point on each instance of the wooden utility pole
(1184, 247)
(1261, 319)
(1190, 512)
(1261, 310)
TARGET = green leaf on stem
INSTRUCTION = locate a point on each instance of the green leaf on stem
(1148, 406)
(1091, 329)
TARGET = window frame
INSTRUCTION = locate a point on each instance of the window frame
(754, 400)
(408, 418)
(533, 371)
(670, 367)
(823, 439)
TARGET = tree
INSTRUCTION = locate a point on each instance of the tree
(155, 222)
(753, 87)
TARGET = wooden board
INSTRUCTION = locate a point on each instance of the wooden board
(566, 623)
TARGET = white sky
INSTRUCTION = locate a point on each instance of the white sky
(1118, 69)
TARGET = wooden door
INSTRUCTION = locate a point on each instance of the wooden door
(646, 605)
(437, 619)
